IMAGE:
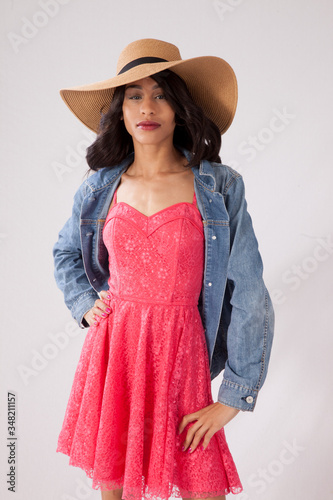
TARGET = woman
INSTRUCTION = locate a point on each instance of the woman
(160, 261)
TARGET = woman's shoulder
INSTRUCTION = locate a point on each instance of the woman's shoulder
(105, 176)
(225, 170)
(98, 179)
(224, 175)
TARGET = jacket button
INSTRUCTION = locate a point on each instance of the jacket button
(249, 399)
(209, 284)
(214, 237)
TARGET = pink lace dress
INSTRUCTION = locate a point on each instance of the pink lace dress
(146, 365)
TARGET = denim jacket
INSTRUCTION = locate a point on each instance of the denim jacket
(234, 304)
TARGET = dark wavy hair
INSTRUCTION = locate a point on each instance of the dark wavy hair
(193, 131)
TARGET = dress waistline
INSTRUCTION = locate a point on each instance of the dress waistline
(144, 300)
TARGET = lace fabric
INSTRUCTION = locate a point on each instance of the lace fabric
(145, 366)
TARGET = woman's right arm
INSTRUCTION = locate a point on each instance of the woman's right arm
(69, 271)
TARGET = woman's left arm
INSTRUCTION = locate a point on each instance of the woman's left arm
(251, 328)
(250, 331)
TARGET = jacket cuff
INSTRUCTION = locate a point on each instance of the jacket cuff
(82, 305)
(237, 396)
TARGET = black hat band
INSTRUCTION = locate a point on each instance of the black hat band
(141, 60)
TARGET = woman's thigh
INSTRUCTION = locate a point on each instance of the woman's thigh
(112, 494)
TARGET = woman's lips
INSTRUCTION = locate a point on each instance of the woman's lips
(148, 125)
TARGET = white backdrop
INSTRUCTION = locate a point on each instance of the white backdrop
(281, 52)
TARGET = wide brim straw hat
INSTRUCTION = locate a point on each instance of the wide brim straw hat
(210, 80)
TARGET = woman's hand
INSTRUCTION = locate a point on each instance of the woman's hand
(208, 421)
(100, 310)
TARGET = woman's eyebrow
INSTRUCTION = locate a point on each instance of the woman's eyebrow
(140, 87)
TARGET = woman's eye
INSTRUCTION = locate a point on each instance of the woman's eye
(137, 96)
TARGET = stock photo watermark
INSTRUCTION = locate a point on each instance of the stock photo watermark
(260, 480)
(73, 157)
(42, 357)
(299, 272)
(83, 490)
(11, 475)
(31, 26)
(255, 144)
(224, 8)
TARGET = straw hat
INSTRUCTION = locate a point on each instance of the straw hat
(211, 81)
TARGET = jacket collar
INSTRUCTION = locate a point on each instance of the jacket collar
(204, 172)
(105, 176)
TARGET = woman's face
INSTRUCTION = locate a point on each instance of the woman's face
(144, 101)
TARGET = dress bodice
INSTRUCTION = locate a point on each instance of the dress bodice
(157, 258)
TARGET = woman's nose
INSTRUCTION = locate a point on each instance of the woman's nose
(147, 106)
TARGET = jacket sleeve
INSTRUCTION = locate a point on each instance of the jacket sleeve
(69, 270)
(250, 331)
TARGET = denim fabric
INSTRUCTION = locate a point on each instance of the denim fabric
(234, 304)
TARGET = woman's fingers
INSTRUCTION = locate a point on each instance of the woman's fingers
(105, 294)
(102, 307)
(89, 317)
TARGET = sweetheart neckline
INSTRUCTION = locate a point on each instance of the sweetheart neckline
(156, 213)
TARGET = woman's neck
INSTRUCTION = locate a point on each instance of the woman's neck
(151, 160)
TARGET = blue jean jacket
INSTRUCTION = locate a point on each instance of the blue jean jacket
(234, 304)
